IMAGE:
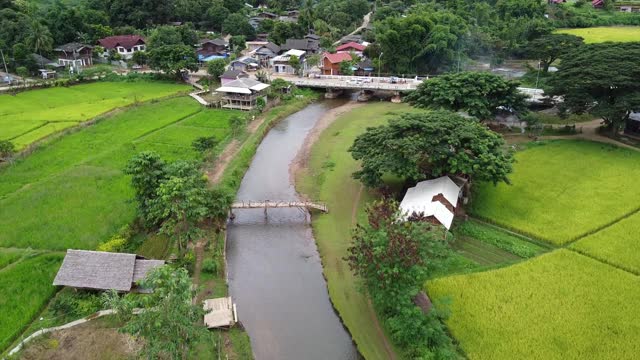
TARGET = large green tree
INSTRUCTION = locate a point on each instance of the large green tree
(601, 79)
(550, 47)
(173, 59)
(147, 171)
(480, 94)
(425, 145)
(169, 322)
(237, 24)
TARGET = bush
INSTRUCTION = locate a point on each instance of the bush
(210, 266)
(115, 244)
(204, 143)
(188, 261)
(75, 304)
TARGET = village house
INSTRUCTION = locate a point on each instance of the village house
(99, 270)
(310, 46)
(266, 52)
(267, 15)
(125, 45)
(242, 94)
(232, 75)
(434, 200)
(632, 127)
(245, 63)
(349, 47)
(364, 68)
(211, 49)
(74, 54)
(280, 64)
(331, 62)
(254, 45)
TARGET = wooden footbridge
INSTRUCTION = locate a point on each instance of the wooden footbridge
(268, 204)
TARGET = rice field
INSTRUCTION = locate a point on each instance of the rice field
(562, 190)
(618, 244)
(72, 193)
(560, 305)
(32, 115)
(26, 288)
(605, 33)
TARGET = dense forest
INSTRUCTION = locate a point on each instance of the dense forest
(416, 37)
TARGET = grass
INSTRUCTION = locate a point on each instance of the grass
(26, 288)
(561, 305)
(72, 193)
(32, 115)
(489, 235)
(563, 190)
(329, 179)
(10, 256)
(618, 244)
(605, 33)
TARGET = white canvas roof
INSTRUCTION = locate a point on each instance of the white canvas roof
(242, 86)
(419, 199)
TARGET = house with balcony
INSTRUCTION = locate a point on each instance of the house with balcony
(280, 64)
(75, 55)
(242, 94)
(124, 45)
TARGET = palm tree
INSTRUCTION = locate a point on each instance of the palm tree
(39, 37)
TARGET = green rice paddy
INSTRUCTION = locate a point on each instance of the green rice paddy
(605, 33)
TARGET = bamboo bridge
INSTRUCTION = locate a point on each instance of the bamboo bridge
(269, 204)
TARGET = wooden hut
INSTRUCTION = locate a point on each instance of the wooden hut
(99, 270)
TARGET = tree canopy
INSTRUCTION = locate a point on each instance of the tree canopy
(480, 94)
(425, 145)
(550, 47)
(601, 79)
(173, 59)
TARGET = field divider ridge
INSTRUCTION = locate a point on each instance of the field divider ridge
(602, 227)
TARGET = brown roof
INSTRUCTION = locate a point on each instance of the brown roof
(102, 270)
(337, 58)
(126, 41)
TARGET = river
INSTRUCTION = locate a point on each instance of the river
(274, 269)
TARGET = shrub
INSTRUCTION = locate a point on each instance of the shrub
(210, 266)
(75, 305)
(204, 143)
(116, 244)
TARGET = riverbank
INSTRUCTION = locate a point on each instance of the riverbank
(325, 174)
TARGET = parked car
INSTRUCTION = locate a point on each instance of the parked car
(394, 80)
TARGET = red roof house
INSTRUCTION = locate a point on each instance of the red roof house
(125, 45)
(351, 46)
(331, 62)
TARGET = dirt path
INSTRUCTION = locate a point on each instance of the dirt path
(301, 160)
(590, 132)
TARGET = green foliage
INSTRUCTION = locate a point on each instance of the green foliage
(550, 307)
(346, 68)
(75, 305)
(238, 43)
(550, 181)
(7, 149)
(550, 47)
(169, 323)
(116, 244)
(237, 24)
(147, 171)
(237, 123)
(393, 259)
(216, 68)
(431, 144)
(205, 143)
(295, 63)
(480, 94)
(139, 58)
(173, 59)
(210, 266)
(609, 92)
(498, 238)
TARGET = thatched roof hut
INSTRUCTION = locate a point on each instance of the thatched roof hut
(100, 270)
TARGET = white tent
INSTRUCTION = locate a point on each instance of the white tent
(419, 199)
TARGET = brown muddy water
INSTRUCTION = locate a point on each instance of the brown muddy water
(275, 273)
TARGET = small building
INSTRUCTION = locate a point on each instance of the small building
(351, 47)
(210, 49)
(364, 68)
(220, 313)
(293, 13)
(267, 15)
(313, 37)
(74, 54)
(47, 74)
(280, 63)
(351, 38)
(434, 200)
(242, 94)
(232, 75)
(254, 45)
(245, 63)
(310, 46)
(255, 22)
(266, 52)
(331, 62)
(99, 270)
(125, 45)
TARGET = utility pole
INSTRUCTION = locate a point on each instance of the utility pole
(4, 62)
(379, 64)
